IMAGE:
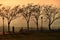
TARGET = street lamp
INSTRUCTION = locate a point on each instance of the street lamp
(41, 22)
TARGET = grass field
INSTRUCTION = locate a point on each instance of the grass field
(32, 36)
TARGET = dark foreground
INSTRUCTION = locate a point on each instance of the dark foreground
(32, 36)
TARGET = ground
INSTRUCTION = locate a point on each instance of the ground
(32, 36)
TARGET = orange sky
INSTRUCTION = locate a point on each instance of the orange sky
(16, 2)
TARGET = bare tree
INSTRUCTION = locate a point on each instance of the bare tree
(2, 15)
(51, 14)
(27, 14)
(11, 14)
(36, 12)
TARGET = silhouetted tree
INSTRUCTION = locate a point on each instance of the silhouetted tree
(36, 12)
(51, 14)
(2, 15)
(11, 14)
(27, 14)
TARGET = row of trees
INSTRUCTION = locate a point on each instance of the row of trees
(30, 12)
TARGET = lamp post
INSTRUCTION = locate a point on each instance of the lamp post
(41, 23)
(3, 26)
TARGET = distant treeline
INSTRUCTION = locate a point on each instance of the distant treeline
(30, 11)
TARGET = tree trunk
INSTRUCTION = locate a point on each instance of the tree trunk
(9, 27)
(28, 25)
(49, 25)
(37, 25)
(3, 26)
(13, 29)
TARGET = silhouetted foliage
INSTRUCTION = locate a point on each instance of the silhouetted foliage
(27, 14)
(51, 13)
(36, 12)
(2, 15)
(29, 11)
(11, 14)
